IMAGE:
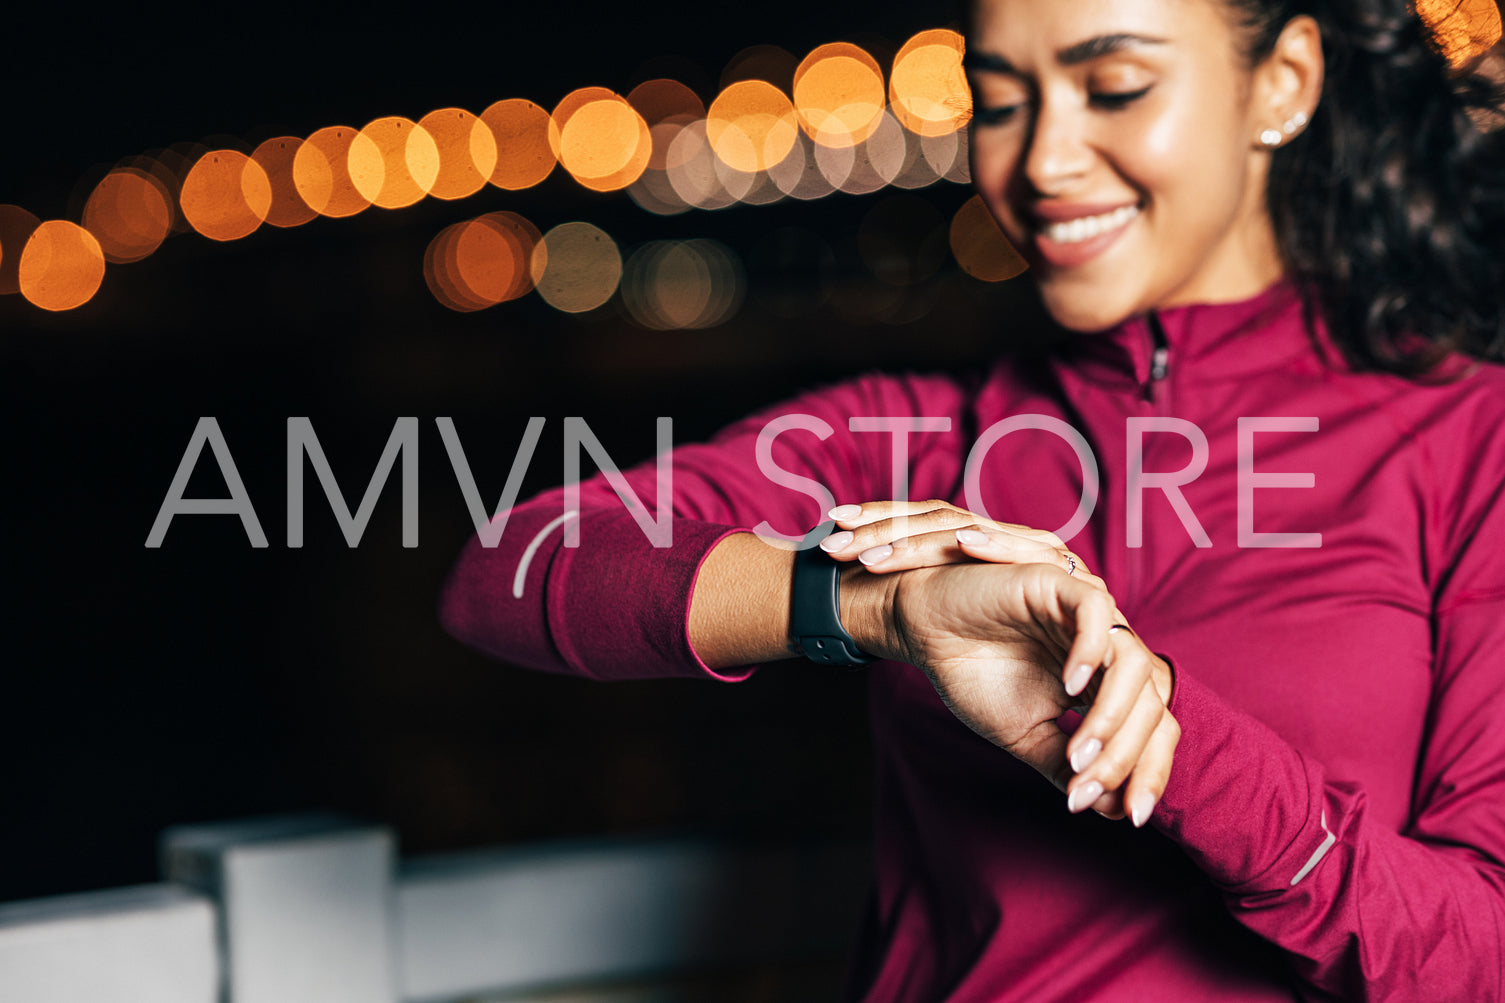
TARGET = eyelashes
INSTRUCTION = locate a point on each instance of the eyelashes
(987, 115)
(1120, 99)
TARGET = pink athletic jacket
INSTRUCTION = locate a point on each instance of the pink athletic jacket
(1320, 554)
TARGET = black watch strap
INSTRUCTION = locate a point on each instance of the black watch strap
(815, 605)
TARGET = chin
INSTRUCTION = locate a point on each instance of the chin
(1084, 307)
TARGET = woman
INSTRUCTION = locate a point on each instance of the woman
(1275, 230)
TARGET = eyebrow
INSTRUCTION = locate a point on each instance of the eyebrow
(1074, 54)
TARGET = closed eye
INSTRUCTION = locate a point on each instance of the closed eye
(1115, 101)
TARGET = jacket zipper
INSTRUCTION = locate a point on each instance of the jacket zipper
(1154, 396)
(1160, 353)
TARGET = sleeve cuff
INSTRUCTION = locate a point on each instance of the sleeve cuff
(601, 634)
(1245, 805)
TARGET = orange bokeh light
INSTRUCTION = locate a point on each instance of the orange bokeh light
(61, 266)
(394, 162)
(928, 90)
(838, 93)
(482, 262)
(605, 145)
(1465, 29)
(980, 247)
(467, 152)
(129, 213)
(524, 147)
(662, 98)
(666, 105)
(276, 157)
(16, 227)
(440, 274)
(493, 256)
(226, 195)
(321, 172)
(751, 126)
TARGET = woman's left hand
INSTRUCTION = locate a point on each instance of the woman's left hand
(888, 536)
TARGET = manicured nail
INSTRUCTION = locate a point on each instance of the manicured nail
(975, 537)
(1076, 680)
(1083, 757)
(836, 541)
(844, 512)
(1140, 806)
(1084, 796)
(873, 555)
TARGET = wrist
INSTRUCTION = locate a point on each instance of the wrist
(866, 604)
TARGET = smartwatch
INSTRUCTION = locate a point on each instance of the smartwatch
(815, 605)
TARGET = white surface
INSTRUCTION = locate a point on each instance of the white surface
(305, 906)
(147, 944)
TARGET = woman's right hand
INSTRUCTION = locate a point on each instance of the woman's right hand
(1010, 648)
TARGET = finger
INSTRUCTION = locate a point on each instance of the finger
(1009, 547)
(923, 550)
(1111, 805)
(852, 516)
(1092, 611)
(1125, 673)
(862, 538)
(1147, 783)
(876, 551)
(1122, 754)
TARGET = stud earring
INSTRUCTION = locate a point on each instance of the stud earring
(1271, 138)
(1295, 122)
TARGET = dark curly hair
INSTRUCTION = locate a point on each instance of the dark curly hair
(1389, 208)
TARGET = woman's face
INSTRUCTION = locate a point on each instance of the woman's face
(1115, 141)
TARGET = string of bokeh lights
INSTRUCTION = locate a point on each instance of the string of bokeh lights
(839, 128)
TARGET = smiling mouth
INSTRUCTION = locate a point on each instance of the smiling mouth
(1086, 227)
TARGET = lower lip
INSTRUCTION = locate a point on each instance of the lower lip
(1081, 251)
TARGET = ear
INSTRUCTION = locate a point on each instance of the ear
(1288, 84)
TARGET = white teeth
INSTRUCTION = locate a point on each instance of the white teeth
(1084, 227)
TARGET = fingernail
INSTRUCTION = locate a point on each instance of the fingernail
(973, 536)
(1084, 796)
(1083, 757)
(836, 541)
(875, 554)
(1140, 806)
(844, 512)
(1076, 679)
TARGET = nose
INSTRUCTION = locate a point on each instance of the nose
(1058, 153)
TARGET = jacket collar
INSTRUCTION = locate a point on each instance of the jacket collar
(1203, 342)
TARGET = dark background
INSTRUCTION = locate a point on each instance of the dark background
(208, 680)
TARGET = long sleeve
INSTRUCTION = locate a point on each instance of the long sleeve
(1366, 912)
(616, 606)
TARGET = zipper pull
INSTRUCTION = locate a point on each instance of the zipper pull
(1160, 357)
(1157, 363)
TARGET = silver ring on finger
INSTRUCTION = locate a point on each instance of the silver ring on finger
(1118, 627)
(1070, 565)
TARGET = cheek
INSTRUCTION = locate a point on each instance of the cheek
(1191, 157)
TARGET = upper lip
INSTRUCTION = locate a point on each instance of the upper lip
(1064, 212)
